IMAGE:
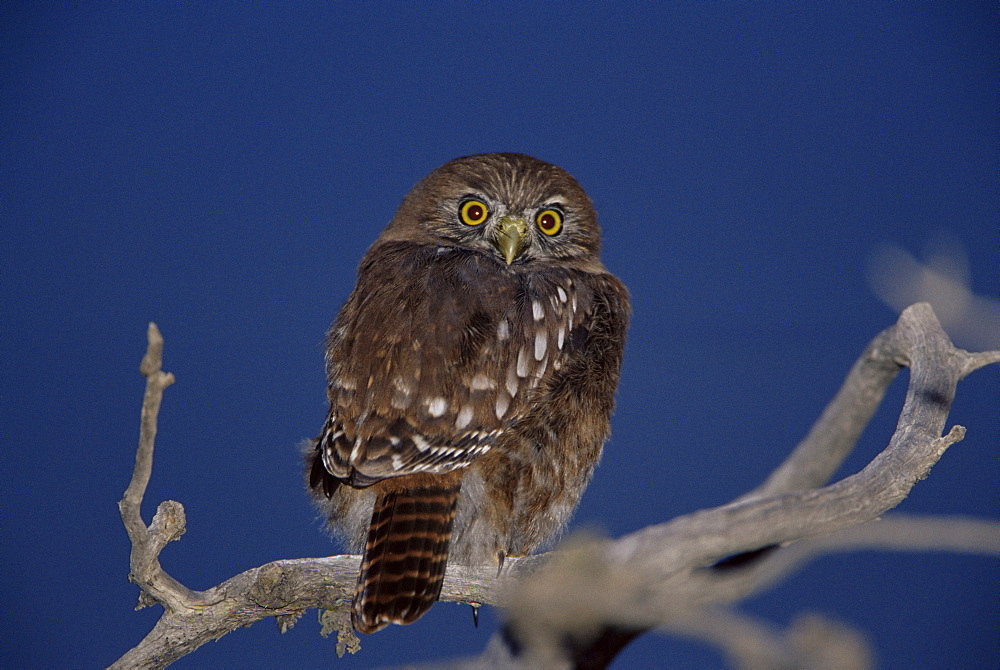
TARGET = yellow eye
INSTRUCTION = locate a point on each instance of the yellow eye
(549, 221)
(473, 212)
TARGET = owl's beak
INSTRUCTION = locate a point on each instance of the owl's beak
(512, 237)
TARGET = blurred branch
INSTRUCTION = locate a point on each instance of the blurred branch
(944, 280)
(562, 603)
(812, 641)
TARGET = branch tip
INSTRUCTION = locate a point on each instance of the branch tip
(169, 522)
(152, 362)
(956, 434)
(974, 361)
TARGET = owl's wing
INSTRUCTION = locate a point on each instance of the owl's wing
(412, 364)
(437, 352)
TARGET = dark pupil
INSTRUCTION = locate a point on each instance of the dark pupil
(475, 212)
(548, 222)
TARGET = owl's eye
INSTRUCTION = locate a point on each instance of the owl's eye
(549, 221)
(473, 212)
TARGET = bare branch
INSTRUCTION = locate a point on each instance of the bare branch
(838, 428)
(156, 382)
(659, 577)
(169, 521)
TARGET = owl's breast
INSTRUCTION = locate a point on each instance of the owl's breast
(433, 364)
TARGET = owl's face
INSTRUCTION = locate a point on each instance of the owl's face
(513, 208)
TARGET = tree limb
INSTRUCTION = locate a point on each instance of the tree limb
(658, 577)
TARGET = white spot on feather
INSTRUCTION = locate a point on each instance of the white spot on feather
(537, 311)
(404, 390)
(437, 406)
(560, 337)
(420, 443)
(482, 383)
(503, 330)
(511, 382)
(562, 294)
(503, 402)
(541, 342)
(522, 362)
(464, 417)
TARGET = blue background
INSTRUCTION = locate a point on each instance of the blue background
(221, 168)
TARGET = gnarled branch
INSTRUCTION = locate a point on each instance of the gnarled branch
(659, 577)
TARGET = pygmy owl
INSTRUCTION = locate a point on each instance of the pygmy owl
(471, 378)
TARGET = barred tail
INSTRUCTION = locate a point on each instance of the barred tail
(405, 556)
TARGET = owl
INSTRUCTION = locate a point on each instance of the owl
(471, 379)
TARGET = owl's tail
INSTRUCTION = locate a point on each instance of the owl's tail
(405, 555)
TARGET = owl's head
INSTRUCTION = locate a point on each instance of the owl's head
(512, 207)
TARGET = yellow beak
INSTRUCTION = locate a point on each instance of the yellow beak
(512, 235)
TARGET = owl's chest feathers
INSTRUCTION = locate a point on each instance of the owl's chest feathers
(455, 343)
(465, 357)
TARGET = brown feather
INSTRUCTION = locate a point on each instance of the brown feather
(405, 554)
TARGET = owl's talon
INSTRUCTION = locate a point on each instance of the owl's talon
(475, 613)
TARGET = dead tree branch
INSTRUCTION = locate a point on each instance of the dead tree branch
(657, 578)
